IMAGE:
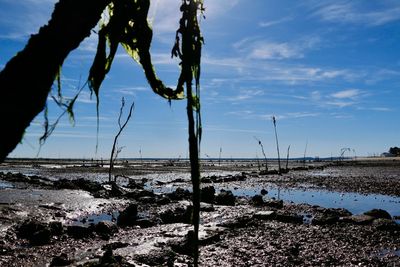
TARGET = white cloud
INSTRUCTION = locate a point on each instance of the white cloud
(31, 15)
(350, 12)
(265, 24)
(165, 14)
(275, 51)
(350, 93)
(341, 104)
(246, 94)
(265, 49)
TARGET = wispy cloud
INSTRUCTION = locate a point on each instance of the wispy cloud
(265, 49)
(349, 93)
(349, 12)
(165, 14)
(246, 95)
(289, 115)
(31, 15)
(265, 24)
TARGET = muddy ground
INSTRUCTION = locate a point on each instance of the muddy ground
(64, 213)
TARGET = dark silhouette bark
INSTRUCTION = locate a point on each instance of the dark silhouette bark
(26, 80)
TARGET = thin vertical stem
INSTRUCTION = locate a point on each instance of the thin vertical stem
(277, 144)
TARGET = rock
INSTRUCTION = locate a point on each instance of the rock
(257, 200)
(105, 229)
(37, 233)
(385, 224)
(329, 216)
(289, 217)
(80, 183)
(324, 219)
(225, 198)
(264, 192)
(128, 216)
(277, 204)
(135, 185)
(177, 215)
(180, 194)
(265, 215)
(378, 214)
(108, 259)
(61, 260)
(116, 190)
(207, 194)
(28, 227)
(360, 219)
(206, 207)
(79, 232)
(163, 200)
(240, 222)
(145, 223)
(138, 193)
(41, 237)
(147, 199)
(56, 228)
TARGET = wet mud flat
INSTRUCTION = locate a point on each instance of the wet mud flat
(65, 213)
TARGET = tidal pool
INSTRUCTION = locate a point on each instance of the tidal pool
(354, 202)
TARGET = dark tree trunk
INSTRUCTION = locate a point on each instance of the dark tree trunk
(27, 78)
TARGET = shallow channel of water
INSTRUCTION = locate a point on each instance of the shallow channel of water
(356, 203)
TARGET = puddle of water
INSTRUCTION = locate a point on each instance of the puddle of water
(4, 185)
(356, 203)
(96, 218)
(385, 252)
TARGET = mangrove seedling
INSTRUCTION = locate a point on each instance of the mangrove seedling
(115, 149)
(263, 152)
(287, 158)
(277, 144)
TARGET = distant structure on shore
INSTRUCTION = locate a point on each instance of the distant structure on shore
(393, 152)
(387, 155)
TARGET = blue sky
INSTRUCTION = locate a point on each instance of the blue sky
(328, 70)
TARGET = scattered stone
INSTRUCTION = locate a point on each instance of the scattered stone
(206, 207)
(145, 223)
(264, 192)
(257, 200)
(289, 217)
(37, 233)
(105, 229)
(329, 216)
(240, 222)
(82, 184)
(79, 232)
(56, 228)
(273, 203)
(128, 216)
(385, 224)
(116, 190)
(135, 185)
(225, 198)
(115, 245)
(28, 227)
(163, 200)
(265, 215)
(360, 219)
(177, 215)
(61, 260)
(41, 237)
(378, 214)
(138, 193)
(207, 194)
(180, 194)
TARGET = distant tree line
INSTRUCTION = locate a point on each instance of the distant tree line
(395, 151)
